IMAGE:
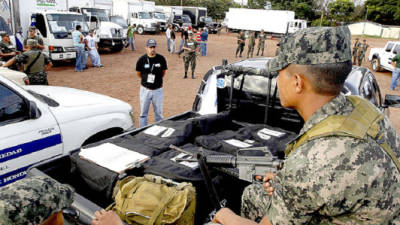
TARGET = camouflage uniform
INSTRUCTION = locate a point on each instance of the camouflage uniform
(355, 50)
(261, 43)
(33, 200)
(252, 42)
(36, 74)
(190, 57)
(241, 43)
(37, 38)
(6, 48)
(332, 179)
(362, 49)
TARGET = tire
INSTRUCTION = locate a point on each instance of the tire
(140, 30)
(376, 65)
(117, 48)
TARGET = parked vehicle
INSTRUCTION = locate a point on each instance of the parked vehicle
(218, 109)
(96, 13)
(120, 21)
(161, 20)
(381, 58)
(271, 21)
(175, 17)
(42, 123)
(197, 15)
(53, 22)
(15, 76)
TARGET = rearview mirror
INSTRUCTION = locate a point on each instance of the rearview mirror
(34, 112)
(392, 101)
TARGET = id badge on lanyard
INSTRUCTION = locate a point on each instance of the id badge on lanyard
(150, 77)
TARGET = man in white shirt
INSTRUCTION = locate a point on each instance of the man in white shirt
(92, 50)
(168, 34)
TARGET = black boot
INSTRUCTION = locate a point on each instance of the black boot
(185, 76)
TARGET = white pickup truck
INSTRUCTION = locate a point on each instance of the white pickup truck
(381, 58)
(39, 123)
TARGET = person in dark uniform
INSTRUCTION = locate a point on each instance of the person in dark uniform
(35, 63)
(6, 49)
(261, 42)
(241, 41)
(190, 48)
(151, 68)
(32, 35)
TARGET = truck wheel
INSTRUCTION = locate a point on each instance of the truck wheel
(140, 30)
(117, 48)
(376, 65)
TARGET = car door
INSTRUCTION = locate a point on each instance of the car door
(369, 89)
(24, 139)
(387, 53)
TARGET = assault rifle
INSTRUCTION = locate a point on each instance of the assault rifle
(250, 162)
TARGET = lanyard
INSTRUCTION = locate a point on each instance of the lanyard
(152, 66)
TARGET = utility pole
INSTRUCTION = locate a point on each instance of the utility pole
(365, 21)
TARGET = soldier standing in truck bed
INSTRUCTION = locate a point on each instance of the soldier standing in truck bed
(250, 46)
(6, 51)
(35, 63)
(241, 41)
(261, 42)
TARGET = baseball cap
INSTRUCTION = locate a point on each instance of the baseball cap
(312, 46)
(33, 200)
(151, 43)
(32, 42)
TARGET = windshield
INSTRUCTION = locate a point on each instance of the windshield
(159, 16)
(62, 23)
(99, 13)
(119, 20)
(186, 19)
(208, 20)
(144, 15)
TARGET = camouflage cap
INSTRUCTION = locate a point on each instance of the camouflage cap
(312, 46)
(32, 42)
(33, 200)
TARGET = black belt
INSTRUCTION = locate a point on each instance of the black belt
(151, 88)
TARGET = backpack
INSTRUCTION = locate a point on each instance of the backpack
(154, 200)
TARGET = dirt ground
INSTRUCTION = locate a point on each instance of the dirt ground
(118, 77)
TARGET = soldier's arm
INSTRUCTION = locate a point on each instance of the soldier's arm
(6, 54)
(139, 74)
(225, 216)
(163, 73)
(9, 62)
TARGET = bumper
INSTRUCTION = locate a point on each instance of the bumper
(108, 42)
(62, 55)
(150, 29)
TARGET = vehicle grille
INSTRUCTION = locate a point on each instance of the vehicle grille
(153, 25)
(69, 49)
(162, 24)
(116, 32)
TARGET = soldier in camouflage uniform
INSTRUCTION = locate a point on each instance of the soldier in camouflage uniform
(241, 41)
(362, 49)
(6, 50)
(344, 166)
(190, 48)
(32, 35)
(35, 63)
(355, 51)
(33, 200)
(250, 46)
(261, 42)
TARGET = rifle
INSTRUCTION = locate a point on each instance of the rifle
(250, 162)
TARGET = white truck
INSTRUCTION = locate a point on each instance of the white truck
(96, 12)
(197, 15)
(271, 21)
(54, 24)
(161, 19)
(174, 16)
(39, 123)
(381, 58)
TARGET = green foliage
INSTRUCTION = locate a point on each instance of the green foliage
(304, 9)
(384, 12)
(340, 11)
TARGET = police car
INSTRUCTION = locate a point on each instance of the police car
(39, 123)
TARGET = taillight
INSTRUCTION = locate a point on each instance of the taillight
(51, 48)
(26, 81)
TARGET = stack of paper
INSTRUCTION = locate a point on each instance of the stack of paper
(113, 157)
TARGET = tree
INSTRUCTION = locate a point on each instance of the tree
(385, 12)
(340, 11)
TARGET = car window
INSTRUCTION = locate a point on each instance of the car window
(370, 90)
(396, 49)
(389, 47)
(12, 106)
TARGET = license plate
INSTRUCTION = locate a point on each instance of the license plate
(61, 56)
(69, 55)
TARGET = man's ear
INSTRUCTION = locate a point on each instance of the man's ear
(299, 82)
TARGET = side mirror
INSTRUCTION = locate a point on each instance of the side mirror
(34, 112)
(392, 101)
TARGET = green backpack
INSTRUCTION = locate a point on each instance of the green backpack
(154, 200)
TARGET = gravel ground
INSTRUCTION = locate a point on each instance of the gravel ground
(118, 77)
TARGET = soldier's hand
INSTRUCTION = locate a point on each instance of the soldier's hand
(106, 218)
(267, 183)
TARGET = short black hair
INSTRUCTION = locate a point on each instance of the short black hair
(78, 27)
(328, 78)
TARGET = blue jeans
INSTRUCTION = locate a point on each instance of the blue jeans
(181, 44)
(80, 58)
(203, 49)
(132, 43)
(395, 78)
(147, 96)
